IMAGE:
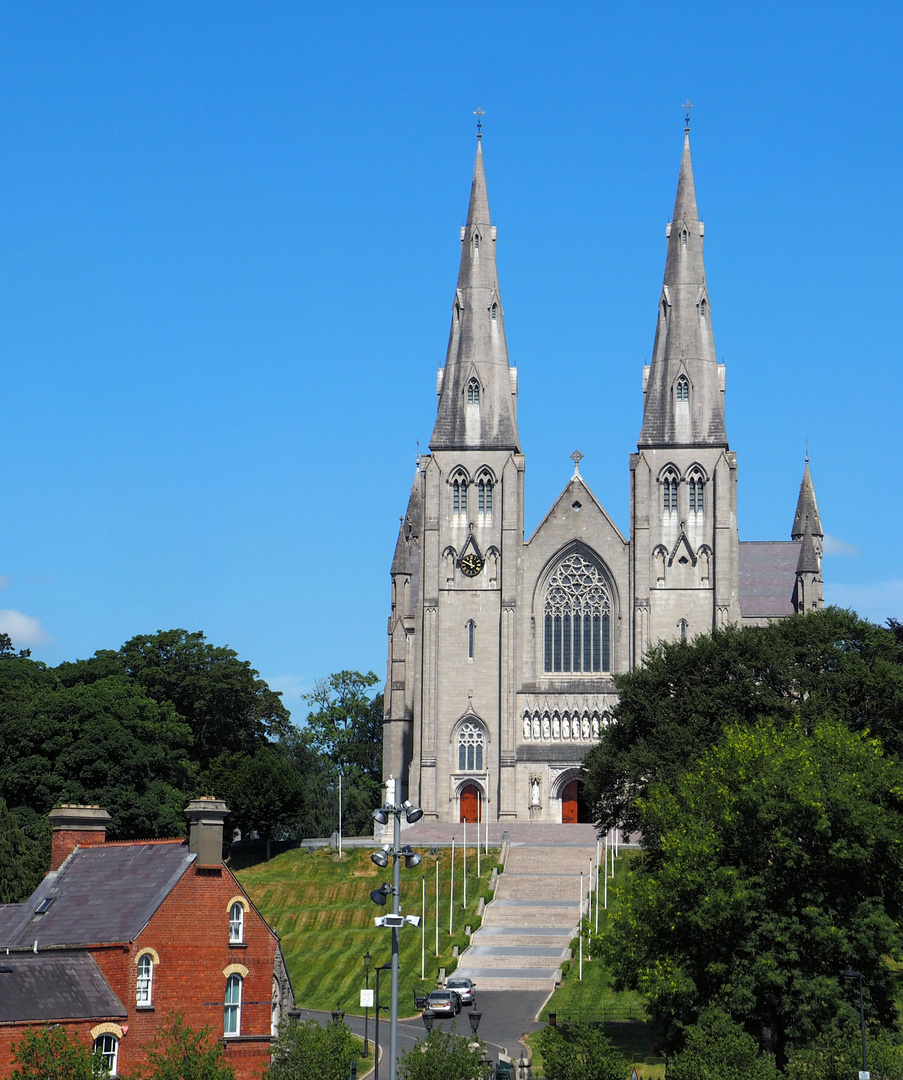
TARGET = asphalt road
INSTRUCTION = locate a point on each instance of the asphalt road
(507, 1015)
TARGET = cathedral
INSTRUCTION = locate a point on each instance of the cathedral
(502, 649)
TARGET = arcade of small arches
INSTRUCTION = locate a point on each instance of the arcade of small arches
(563, 726)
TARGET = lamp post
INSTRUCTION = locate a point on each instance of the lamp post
(377, 1007)
(428, 1017)
(864, 1075)
(338, 1016)
(411, 859)
(367, 959)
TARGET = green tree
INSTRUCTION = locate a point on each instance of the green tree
(310, 1051)
(768, 870)
(344, 726)
(180, 1052)
(264, 791)
(52, 1053)
(580, 1051)
(839, 1057)
(225, 703)
(717, 1048)
(444, 1055)
(104, 742)
(675, 707)
(24, 853)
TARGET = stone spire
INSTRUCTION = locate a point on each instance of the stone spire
(477, 389)
(692, 413)
(806, 509)
(808, 560)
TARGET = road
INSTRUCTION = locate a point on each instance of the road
(507, 1015)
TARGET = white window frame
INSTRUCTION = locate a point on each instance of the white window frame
(232, 1007)
(236, 924)
(107, 1045)
(144, 983)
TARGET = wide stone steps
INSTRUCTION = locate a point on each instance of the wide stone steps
(528, 927)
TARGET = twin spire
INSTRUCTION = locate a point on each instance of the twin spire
(477, 389)
(684, 350)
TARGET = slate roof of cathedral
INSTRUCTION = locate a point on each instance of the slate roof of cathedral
(100, 894)
(61, 986)
(767, 577)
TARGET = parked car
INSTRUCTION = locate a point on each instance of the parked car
(444, 1003)
(464, 988)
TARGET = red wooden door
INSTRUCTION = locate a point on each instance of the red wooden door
(470, 811)
(569, 804)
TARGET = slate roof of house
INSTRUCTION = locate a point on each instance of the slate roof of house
(61, 986)
(767, 577)
(99, 894)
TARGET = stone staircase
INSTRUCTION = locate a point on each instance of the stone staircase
(528, 927)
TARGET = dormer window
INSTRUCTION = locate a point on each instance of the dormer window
(476, 241)
(493, 311)
(683, 237)
(473, 392)
(683, 388)
(702, 308)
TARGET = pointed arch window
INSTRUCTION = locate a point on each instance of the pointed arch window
(682, 389)
(470, 748)
(484, 487)
(703, 307)
(577, 618)
(494, 312)
(669, 493)
(473, 392)
(476, 241)
(459, 496)
(683, 237)
(696, 490)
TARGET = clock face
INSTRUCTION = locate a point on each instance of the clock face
(471, 564)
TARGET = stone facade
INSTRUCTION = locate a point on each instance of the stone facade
(501, 649)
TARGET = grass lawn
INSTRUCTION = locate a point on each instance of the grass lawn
(321, 908)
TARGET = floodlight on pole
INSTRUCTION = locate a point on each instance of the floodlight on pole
(381, 857)
(411, 812)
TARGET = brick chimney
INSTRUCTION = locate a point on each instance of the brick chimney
(75, 826)
(205, 836)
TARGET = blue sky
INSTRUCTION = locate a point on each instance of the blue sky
(228, 249)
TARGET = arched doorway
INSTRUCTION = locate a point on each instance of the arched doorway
(470, 804)
(573, 805)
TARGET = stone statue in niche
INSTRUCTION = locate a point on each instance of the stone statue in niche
(526, 727)
(595, 727)
(534, 793)
(545, 727)
(535, 727)
(586, 727)
(556, 728)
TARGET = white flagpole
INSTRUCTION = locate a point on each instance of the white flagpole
(451, 901)
(464, 849)
(581, 926)
(479, 819)
(605, 875)
(437, 907)
(423, 930)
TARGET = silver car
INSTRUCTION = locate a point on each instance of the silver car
(444, 1003)
(464, 988)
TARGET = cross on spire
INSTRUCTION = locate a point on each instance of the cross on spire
(479, 114)
(687, 106)
(576, 457)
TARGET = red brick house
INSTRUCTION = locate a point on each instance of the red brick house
(120, 935)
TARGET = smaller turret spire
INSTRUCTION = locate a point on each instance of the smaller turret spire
(806, 508)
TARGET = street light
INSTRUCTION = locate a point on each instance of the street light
(475, 1019)
(381, 857)
(864, 1075)
(338, 1016)
(377, 1007)
(367, 959)
(428, 1017)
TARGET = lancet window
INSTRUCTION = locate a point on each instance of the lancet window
(484, 495)
(702, 307)
(696, 489)
(459, 495)
(577, 618)
(669, 493)
(683, 388)
(473, 392)
(470, 748)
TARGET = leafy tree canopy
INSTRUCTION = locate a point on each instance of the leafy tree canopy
(769, 869)
(310, 1051)
(717, 1048)
(24, 853)
(180, 1052)
(52, 1053)
(838, 1056)
(444, 1055)
(675, 707)
(345, 727)
(580, 1052)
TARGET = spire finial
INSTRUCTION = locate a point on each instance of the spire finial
(687, 106)
(807, 449)
(576, 457)
(479, 114)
